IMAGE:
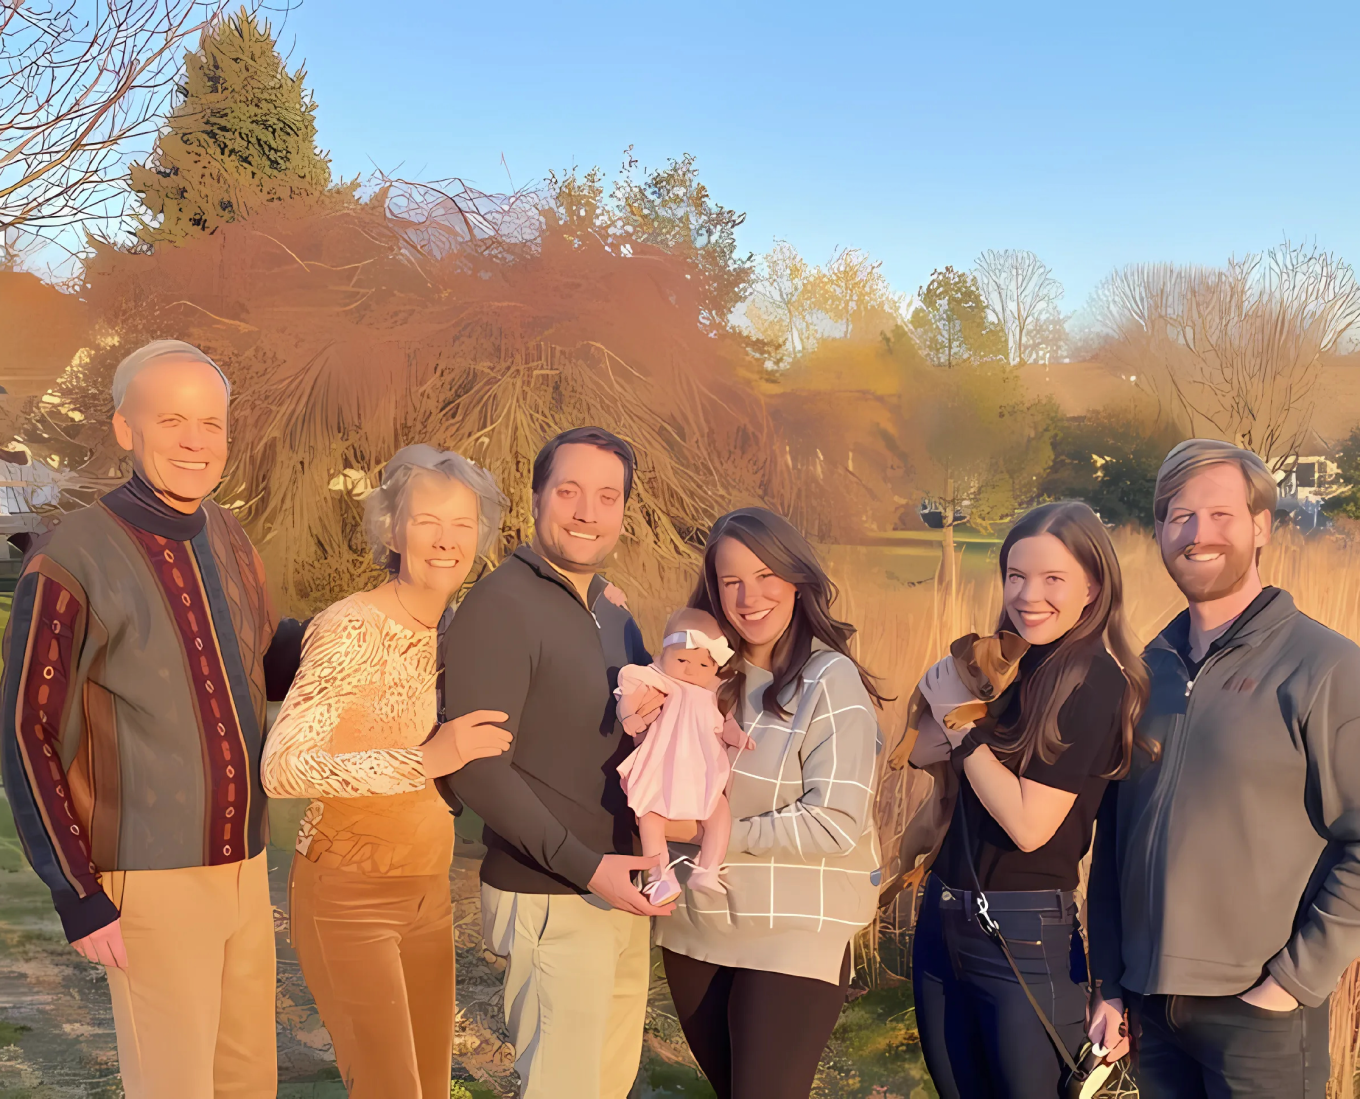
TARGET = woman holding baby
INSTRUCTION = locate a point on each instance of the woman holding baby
(757, 952)
(1031, 773)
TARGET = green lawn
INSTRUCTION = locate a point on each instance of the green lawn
(912, 558)
(56, 1032)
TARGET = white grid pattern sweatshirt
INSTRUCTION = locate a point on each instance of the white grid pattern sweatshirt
(803, 864)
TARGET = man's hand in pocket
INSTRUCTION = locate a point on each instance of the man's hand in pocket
(1269, 995)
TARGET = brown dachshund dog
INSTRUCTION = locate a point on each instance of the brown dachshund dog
(950, 698)
(957, 690)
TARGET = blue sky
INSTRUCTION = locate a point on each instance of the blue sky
(1095, 134)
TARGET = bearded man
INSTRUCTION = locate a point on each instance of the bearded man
(1225, 885)
(134, 703)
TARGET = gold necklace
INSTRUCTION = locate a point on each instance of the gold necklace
(396, 588)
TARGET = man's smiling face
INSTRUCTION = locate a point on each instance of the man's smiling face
(578, 516)
(174, 420)
(1209, 538)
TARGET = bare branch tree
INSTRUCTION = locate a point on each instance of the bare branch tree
(852, 288)
(782, 310)
(1238, 349)
(79, 80)
(1023, 295)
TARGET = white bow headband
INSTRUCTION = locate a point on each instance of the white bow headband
(717, 647)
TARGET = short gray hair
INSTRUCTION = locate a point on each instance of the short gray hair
(1190, 457)
(385, 506)
(143, 357)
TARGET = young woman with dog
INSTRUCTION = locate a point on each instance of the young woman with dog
(759, 969)
(1031, 773)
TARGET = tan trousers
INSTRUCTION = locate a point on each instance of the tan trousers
(377, 953)
(194, 1010)
(575, 991)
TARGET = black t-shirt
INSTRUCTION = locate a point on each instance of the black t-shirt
(1178, 633)
(1089, 724)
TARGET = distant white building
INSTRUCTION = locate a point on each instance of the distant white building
(1311, 480)
(25, 487)
(1305, 487)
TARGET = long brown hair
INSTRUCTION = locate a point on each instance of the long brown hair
(1101, 626)
(787, 554)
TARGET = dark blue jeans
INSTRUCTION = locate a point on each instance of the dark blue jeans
(1218, 1047)
(980, 1036)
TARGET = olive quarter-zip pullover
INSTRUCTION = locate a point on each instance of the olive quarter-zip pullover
(1236, 852)
(524, 642)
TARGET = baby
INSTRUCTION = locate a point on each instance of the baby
(680, 768)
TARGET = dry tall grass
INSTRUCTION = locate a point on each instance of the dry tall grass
(903, 629)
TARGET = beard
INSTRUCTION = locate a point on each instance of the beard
(1204, 584)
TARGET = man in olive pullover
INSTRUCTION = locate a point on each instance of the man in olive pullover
(538, 640)
(1225, 885)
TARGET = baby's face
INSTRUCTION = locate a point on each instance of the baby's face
(695, 666)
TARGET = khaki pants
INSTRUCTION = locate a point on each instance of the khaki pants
(575, 991)
(194, 1010)
(377, 953)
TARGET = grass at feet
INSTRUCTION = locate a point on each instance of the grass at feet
(875, 1051)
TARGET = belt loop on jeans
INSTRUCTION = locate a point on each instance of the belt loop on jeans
(1001, 900)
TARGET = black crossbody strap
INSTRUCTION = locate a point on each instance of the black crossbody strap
(989, 925)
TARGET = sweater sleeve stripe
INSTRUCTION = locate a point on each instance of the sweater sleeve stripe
(39, 671)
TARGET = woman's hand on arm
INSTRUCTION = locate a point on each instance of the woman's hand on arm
(456, 742)
(1029, 811)
(647, 704)
(639, 708)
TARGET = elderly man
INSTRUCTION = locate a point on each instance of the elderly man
(134, 698)
(1225, 886)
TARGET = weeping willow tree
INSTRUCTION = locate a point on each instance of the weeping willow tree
(416, 317)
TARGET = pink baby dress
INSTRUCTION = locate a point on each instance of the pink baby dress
(680, 770)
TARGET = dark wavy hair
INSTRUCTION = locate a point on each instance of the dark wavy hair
(597, 437)
(1100, 627)
(788, 555)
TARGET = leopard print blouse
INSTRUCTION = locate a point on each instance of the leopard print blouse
(348, 736)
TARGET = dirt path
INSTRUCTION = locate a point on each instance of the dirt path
(56, 1026)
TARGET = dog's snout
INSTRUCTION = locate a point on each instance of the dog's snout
(986, 690)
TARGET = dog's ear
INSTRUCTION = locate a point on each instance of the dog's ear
(1013, 646)
(962, 649)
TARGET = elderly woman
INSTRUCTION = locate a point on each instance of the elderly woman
(371, 916)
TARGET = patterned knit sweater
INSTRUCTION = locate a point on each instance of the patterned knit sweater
(802, 867)
(348, 736)
(134, 695)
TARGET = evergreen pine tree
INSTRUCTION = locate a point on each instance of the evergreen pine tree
(242, 137)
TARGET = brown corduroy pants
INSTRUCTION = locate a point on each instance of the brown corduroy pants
(377, 953)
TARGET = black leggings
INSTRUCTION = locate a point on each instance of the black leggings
(755, 1034)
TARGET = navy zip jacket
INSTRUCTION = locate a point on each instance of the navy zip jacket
(524, 642)
(1236, 852)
